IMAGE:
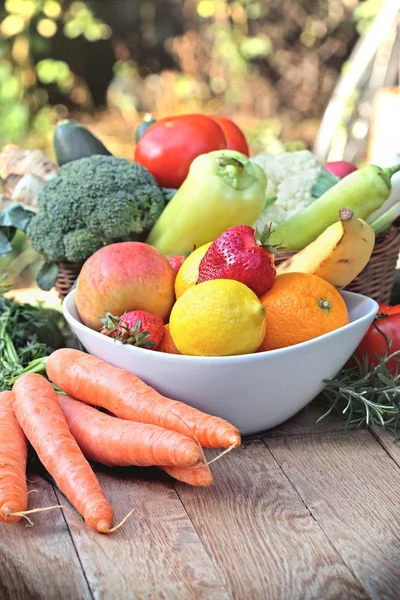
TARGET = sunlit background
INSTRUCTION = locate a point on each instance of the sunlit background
(270, 65)
(291, 73)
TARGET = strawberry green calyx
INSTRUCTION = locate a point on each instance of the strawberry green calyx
(236, 170)
(110, 324)
(134, 335)
(262, 238)
(136, 328)
(119, 329)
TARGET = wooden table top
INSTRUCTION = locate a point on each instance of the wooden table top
(304, 512)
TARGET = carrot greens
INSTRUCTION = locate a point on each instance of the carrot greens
(28, 334)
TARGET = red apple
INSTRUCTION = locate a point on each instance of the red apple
(340, 168)
(123, 277)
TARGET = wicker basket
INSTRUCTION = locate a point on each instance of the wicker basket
(66, 278)
(376, 280)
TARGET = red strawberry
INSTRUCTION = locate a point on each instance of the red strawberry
(176, 261)
(138, 328)
(242, 254)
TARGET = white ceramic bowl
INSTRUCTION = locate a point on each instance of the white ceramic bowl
(254, 391)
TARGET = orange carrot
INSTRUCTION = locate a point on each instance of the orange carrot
(199, 475)
(40, 415)
(13, 455)
(94, 381)
(116, 442)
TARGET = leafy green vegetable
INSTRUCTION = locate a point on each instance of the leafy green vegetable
(12, 218)
(325, 181)
(28, 334)
(47, 276)
(6, 235)
(17, 216)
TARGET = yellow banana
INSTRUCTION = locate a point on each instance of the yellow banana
(338, 255)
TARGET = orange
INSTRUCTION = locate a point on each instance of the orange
(167, 343)
(300, 307)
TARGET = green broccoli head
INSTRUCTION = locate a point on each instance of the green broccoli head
(81, 244)
(93, 202)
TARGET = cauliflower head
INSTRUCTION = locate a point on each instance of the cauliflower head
(291, 178)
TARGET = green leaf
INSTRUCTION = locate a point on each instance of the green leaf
(269, 201)
(325, 181)
(16, 216)
(47, 276)
(5, 245)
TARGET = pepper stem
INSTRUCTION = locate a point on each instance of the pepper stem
(230, 162)
(390, 171)
(239, 174)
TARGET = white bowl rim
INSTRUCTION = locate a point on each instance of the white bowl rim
(255, 356)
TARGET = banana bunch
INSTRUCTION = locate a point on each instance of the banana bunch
(338, 255)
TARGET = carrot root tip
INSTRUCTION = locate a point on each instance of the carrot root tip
(103, 526)
(108, 530)
(221, 455)
(24, 513)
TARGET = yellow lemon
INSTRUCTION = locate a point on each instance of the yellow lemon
(220, 317)
(189, 271)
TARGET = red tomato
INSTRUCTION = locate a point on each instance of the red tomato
(169, 146)
(389, 310)
(374, 343)
(234, 136)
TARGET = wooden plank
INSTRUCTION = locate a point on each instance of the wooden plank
(387, 441)
(40, 562)
(261, 535)
(156, 554)
(306, 422)
(352, 489)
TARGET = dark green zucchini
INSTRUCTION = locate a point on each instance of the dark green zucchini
(72, 141)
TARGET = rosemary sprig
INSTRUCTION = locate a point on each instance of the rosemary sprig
(368, 395)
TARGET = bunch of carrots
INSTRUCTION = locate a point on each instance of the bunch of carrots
(141, 427)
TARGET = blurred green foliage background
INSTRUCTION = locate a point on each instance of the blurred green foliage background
(271, 65)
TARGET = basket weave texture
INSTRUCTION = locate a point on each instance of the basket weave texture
(376, 280)
(67, 275)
